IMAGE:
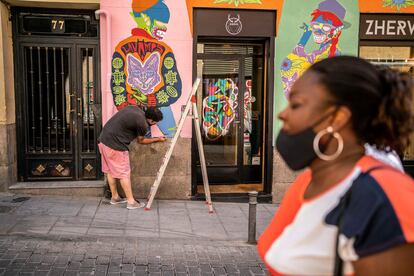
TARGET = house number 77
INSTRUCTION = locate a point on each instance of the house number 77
(58, 25)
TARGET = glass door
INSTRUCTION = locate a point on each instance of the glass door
(230, 104)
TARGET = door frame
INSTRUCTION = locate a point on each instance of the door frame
(74, 44)
(269, 46)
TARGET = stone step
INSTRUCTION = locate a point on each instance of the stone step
(64, 188)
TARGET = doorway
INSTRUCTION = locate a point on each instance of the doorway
(231, 102)
(57, 95)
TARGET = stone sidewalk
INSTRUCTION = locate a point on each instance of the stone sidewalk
(44, 235)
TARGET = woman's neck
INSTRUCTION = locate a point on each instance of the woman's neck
(325, 174)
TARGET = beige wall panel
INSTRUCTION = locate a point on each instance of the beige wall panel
(7, 51)
(65, 4)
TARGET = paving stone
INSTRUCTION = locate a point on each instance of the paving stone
(41, 273)
(5, 263)
(219, 271)
(231, 268)
(71, 273)
(168, 273)
(257, 271)
(57, 272)
(8, 256)
(74, 266)
(245, 272)
(113, 274)
(82, 273)
(88, 263)
(11, 273)
(154, 268)
(126, 268)
(114, 269)
(103, 260)
(77, 258)
(62, 259)
(205, 268)
(26, 273)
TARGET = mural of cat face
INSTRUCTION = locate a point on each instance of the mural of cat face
(144, 76)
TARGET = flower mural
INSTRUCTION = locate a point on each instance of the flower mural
(238, 2)
(398, 4)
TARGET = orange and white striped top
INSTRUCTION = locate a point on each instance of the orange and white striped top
(301, 238)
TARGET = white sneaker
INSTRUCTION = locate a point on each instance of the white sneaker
(135, 205)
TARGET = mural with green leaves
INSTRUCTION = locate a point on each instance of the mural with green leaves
(398, 4)
(238, 2)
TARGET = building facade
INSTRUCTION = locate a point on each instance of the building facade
(67, 66)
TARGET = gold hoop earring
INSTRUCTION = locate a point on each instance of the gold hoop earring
(336, 135)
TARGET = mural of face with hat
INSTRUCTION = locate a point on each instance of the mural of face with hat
(151, 16)
(327, 21)
(325, 27)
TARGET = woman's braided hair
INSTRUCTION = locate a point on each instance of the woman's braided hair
(379, 98)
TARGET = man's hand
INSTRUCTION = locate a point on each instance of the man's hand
(144, 140)
(161, 139)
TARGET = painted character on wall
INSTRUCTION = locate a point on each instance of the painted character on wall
(325, 27)
(144, 69)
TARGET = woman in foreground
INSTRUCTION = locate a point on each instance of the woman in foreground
(336, 107)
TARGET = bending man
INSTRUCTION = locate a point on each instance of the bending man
(126, 125)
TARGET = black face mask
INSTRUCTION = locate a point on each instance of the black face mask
(297, 149)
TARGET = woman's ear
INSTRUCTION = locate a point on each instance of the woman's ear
(341, 118)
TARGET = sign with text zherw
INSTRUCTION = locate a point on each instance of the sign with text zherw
(386, 27)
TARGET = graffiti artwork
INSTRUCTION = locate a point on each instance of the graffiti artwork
(325, 27)
(144, 69)
(219, 108)
(398, 4)
(248, 100)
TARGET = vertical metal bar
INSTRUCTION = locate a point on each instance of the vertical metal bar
(88, 98)
(252, 217)
(55, 90)
(40, 99)
(48, 98)
(62, 74)
(94, 99)
(33, 99)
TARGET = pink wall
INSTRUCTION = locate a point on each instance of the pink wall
(178, 37)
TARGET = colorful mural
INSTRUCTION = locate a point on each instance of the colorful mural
(238, 2)
(144, 69)
(398, 4)
(325, 27)
(310, 31)
(219, 107)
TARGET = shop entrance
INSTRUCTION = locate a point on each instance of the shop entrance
(57, 94)
(231, 103)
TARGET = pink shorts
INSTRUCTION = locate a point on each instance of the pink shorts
(115, 162)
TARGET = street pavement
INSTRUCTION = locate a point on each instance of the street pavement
(52, 235)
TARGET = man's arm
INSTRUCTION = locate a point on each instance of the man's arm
(144, 140)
